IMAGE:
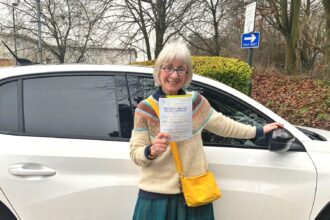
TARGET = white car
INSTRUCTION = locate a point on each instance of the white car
(64, 154)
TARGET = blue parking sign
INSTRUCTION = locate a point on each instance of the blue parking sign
(250, 40)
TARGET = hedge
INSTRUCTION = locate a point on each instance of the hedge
(230, 71)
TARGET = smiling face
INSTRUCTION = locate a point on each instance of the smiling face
(174, 57)
(172, 82)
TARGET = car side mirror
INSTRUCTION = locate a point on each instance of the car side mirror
(281, 140)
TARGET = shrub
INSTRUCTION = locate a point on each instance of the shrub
(230, 71)
(149, 63)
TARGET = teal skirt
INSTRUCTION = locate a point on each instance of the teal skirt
(170, 208)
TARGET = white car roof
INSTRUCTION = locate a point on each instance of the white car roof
(36, 69)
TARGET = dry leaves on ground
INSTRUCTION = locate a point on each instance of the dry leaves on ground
(299, 100)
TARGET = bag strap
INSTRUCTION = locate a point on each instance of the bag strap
(173, 145)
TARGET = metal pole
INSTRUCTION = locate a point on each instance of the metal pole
(14, 26)
(250, 50)
(250, 56)
(39, 32)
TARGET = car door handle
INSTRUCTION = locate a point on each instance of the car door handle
(31, 170)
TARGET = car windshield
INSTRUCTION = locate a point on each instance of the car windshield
(312, 135)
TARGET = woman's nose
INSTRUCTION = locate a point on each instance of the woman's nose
(175, 73)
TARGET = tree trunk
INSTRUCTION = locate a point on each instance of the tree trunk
(159, 41)
(144, 31)
(147, 42)
(160, 26)
(290, 55)
(305, 59)
(291, 37)
(326, 4)
(61, 59)
(62, 51)
(216, 37)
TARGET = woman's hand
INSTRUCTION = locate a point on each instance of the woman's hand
(159, 144)
(272, 126)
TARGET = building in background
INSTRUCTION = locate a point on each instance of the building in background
(28, 48)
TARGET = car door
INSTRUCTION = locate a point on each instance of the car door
(64, 151)
(256, 183)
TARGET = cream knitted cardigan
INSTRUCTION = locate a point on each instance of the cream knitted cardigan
(160, 175)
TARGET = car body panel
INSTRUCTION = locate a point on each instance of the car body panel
(319, 152)
(90, 175)
(254, 180)
(63, 194)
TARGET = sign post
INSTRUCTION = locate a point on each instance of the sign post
(250, 14)
(249, 41)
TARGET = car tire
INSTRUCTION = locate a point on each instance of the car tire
(5, 213)
(324, 214)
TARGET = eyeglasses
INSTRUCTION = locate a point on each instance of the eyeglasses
(170, 69)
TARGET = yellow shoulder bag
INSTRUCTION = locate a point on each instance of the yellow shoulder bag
(197, 190)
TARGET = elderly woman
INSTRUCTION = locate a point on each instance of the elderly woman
(160, 195)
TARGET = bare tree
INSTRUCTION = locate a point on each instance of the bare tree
(156, 20)
(326, 5)
(284, 16)
(207, 22)
(65, 23)
(137, 16)
(311, 35)
(93, 14)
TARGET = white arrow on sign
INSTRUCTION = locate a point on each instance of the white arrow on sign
(252, 38)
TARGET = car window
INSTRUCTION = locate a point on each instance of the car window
(76, 106)
(140, 87)
(124, 109)
(8, 107)
(235, 109)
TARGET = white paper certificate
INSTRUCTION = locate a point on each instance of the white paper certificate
(176, 116)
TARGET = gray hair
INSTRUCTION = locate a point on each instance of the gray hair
(174, 51)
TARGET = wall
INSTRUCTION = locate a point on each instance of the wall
(27, 48)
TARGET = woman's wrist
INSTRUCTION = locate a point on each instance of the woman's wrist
(152, 151)
(149, 153)
(260, 131)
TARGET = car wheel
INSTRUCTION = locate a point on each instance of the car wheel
(324, 214)
(5, 213)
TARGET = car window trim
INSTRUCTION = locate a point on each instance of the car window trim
(20, 94)
(20, 115)
(3, 82)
